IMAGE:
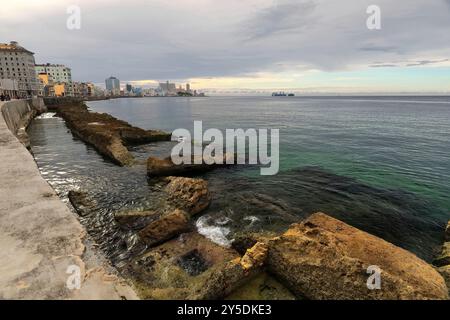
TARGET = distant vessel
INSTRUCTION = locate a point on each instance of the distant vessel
(282, 94)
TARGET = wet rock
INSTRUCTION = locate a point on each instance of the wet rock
(193, 263)
(83, 204)
(244, 241)
(157, 167)
(444, 258)
(136, 220)
(106, 133)
(179, 268)
(165, 228)
(261, 287)
(234, 274)
(324, 258)
(188, 194)
(445, 272)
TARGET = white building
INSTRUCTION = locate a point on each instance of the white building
(59, 73)
(17, 63)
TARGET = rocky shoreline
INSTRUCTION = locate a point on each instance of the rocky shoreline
(108, 135)
(318, 258)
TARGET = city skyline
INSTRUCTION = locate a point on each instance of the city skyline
(254, 46)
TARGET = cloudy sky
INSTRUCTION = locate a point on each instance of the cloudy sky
(242, 45)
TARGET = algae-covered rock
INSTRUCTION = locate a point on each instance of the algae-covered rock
(444, 258)
(179, 268)
(82, 202)
(261, 287)
(324, 258)
(135, 219)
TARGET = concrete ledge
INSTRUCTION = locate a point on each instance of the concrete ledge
(39, 236)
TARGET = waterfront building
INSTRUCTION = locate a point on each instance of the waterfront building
(46, 83)
(9, 87)
(17, 63)
(59, 73)
(113, 86)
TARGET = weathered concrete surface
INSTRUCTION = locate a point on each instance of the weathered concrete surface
(39, 236)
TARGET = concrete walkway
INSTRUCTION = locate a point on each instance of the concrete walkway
(40, 237)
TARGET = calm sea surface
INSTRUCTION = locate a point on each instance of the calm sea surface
(381, 164)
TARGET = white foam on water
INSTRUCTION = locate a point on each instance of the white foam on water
(216, 233)
(46, 115)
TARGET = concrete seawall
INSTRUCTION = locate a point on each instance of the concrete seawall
(40, 237)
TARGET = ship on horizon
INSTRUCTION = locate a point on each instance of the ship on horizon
(282, 94)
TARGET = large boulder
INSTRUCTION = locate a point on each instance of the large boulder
(188, 194)
(324, 258)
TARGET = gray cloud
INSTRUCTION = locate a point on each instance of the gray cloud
(283, 16)
(180, 39)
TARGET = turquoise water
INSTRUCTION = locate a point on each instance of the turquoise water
(378, 163)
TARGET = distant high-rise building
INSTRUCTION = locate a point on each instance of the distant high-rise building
(168, 88)
(188, 87)
(17, 64)
(113, 86)
(129, 88)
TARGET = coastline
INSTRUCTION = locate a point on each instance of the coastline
(237, 271)
(40, 236)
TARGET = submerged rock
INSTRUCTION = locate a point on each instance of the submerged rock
(261, 287)
(324, 258)
(444, 258)
(136, 220)
(83, 204)
(157, 167)
(179, 268)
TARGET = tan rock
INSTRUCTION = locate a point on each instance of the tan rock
(255, 257)
(324, 258)
(165, 228)
(444, 258)
(188, 194)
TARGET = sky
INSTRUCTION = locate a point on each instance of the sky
(242, 46)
